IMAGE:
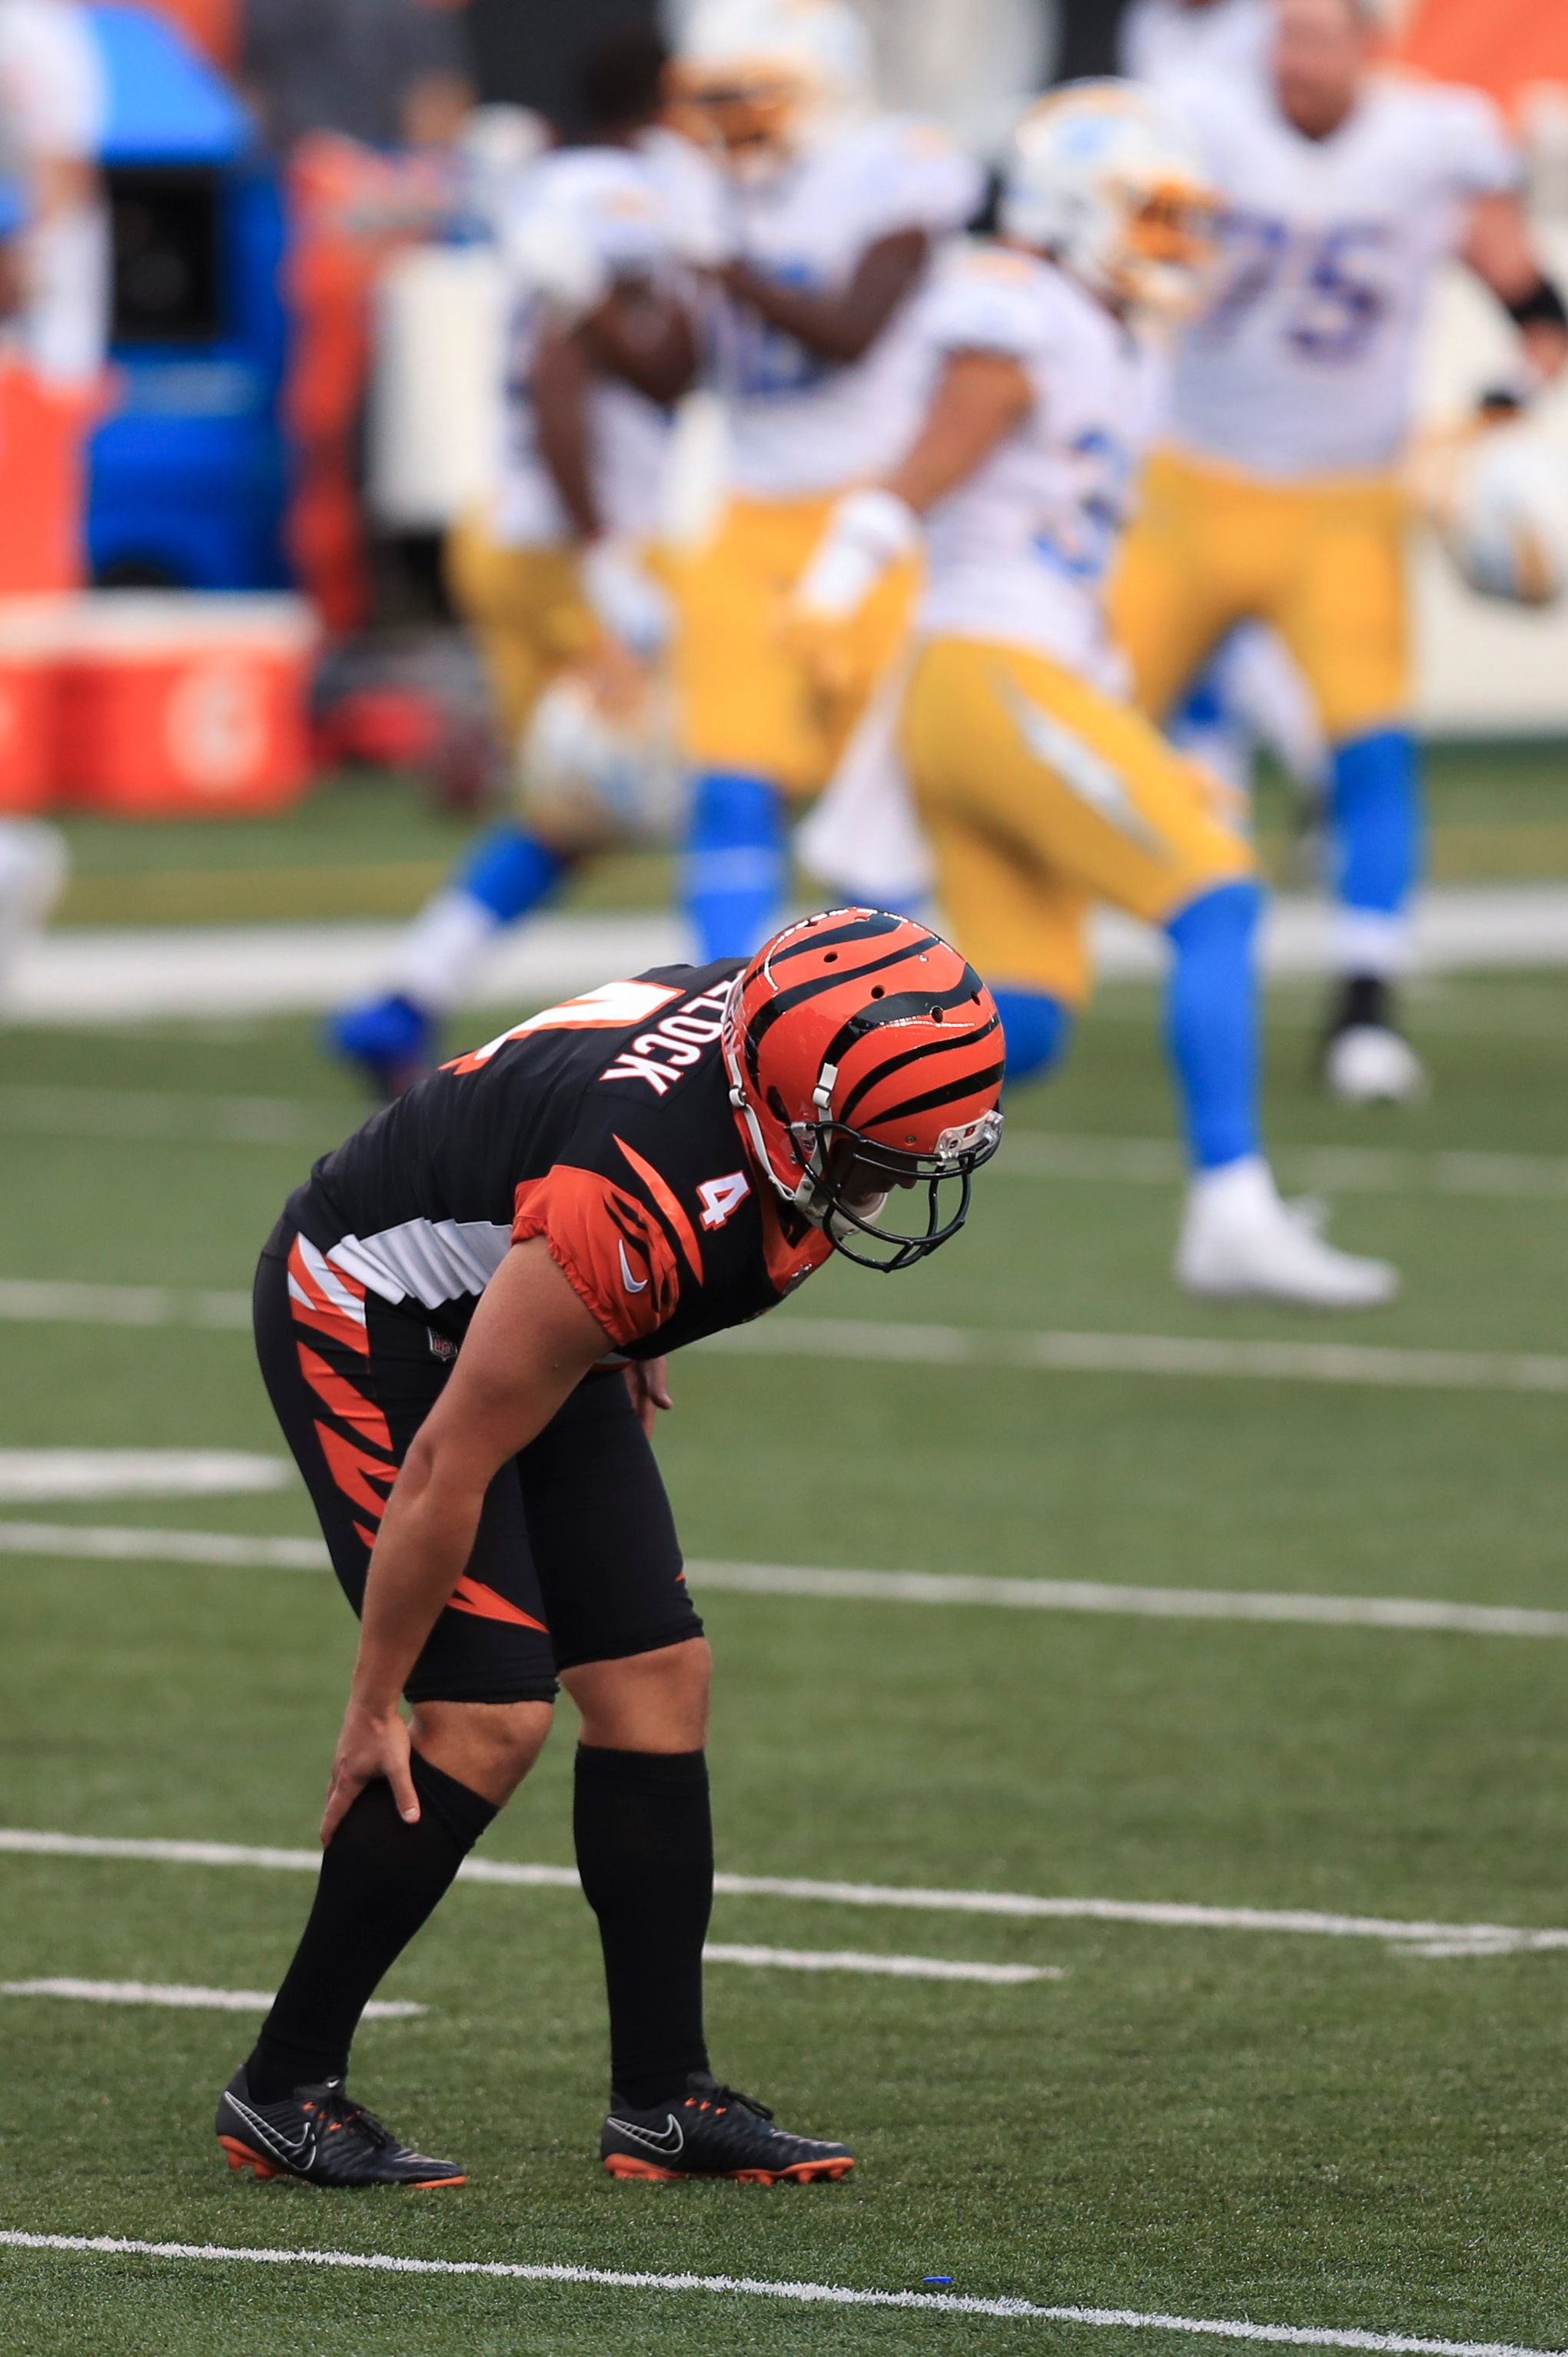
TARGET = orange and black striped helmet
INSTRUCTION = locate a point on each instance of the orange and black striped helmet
(865, 1057)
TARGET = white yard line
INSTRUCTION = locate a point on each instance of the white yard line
(1111, 1597)
(36, 1476)
(811, 2294)
(1384, 1368)
(156, 1115)
(133, 1115)
(42, 1301)
(788, 1960)
(113, 1544)
(32, 1301)
(1488, 1939)
(196, 2000)
(128, 1543)
(1338, 1170)
(860, 1960)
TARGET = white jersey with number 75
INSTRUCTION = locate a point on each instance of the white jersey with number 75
(1302, 362)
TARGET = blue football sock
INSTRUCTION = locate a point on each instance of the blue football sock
(1036, 1029)
(1211, 1022)
(508, 873)
(1376, 810)
(736, 866)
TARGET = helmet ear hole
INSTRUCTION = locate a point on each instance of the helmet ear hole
(778, 1108)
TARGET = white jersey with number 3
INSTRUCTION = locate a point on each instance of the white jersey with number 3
(1019, 552)
(798, 424)
(1303, 364)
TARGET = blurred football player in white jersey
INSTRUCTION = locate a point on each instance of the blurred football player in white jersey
(554, 575)
(54, 306)
(55, 103)
(1252, 697)
(1280, 499)
(1159, 41)
(1041, 790)
(835, 212)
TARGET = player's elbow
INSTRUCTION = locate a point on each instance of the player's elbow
(438, 1476)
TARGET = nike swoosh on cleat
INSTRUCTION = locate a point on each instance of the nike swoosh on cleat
(668, 2140)
(631, 1283)
(300, 2153)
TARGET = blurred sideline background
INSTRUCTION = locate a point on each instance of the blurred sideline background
(268, 383)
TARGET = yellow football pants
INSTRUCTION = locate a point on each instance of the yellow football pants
(1040, 796)
(527, 611)
(1323, 563)
(747, 701)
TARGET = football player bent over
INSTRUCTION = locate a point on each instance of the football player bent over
(463, 1318)
(1041, 791)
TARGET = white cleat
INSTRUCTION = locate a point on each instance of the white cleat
(1369, 1064)
(1241, 1242)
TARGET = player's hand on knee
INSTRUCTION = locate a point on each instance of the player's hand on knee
(648, 1380)
(368, 1746)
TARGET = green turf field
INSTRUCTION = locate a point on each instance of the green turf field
(1200, 2122)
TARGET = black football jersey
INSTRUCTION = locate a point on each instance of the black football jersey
(605, 1127)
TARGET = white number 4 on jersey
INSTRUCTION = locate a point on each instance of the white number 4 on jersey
(721, 1199)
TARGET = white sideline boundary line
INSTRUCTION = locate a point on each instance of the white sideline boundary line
(186, 1997)
(814, 2295)
(220, 1550)
(48, 1302)
(1479, 1939)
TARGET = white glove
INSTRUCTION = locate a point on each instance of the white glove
(866, 533)
(625, 598)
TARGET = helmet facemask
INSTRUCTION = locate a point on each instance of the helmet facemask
(865, 1060)
(755, 120)
(843, 1193)
(1166, 250)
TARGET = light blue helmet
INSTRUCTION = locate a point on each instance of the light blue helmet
(1104, 177)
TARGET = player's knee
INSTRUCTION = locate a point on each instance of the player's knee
(509, 872)
(1035, 1028)
(489, 1747)
(1377, 814)
(737, 817)
(1225, 916)
(647, 1702)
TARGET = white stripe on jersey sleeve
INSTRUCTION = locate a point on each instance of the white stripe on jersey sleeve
(429, 1261)
(323, 1274)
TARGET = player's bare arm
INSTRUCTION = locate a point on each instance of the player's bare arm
(531, 1342)
(980, 400)
(645, 340)
(842, 326)
(1502, 253)
(559, 386)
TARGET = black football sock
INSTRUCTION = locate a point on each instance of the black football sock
(645, 1852)
(380, 1879)
(1363, 999)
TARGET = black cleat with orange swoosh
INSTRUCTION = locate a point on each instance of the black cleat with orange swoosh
(709, 2130)
(318, 2135)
